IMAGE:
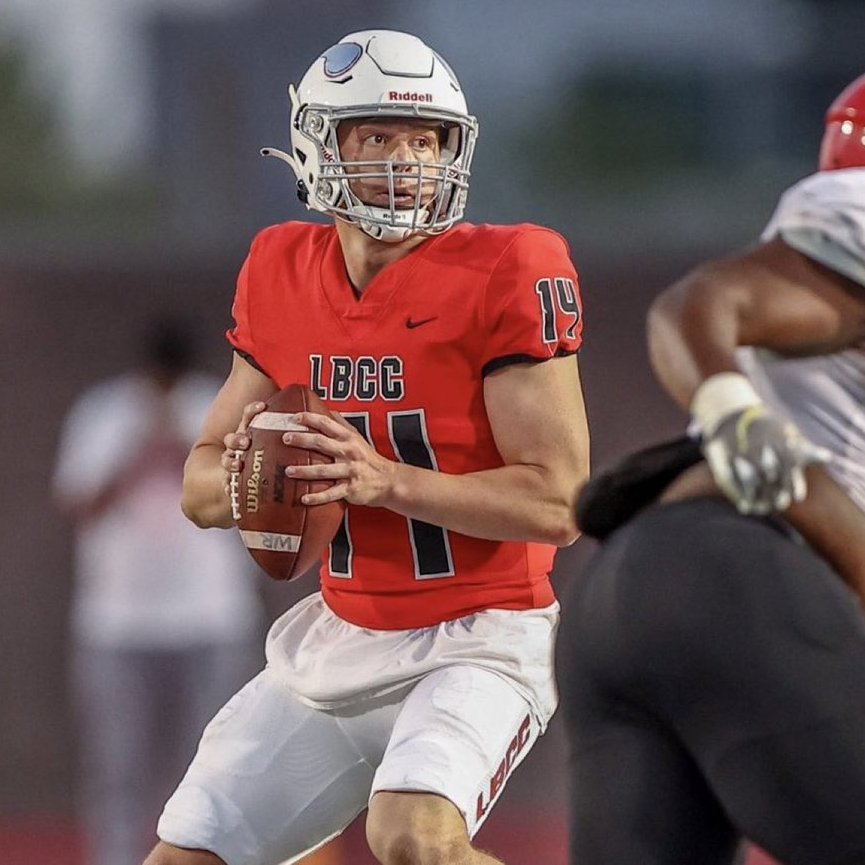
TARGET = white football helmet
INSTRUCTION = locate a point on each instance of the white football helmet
(385, 74)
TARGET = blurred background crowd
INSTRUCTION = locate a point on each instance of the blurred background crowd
(651, 133)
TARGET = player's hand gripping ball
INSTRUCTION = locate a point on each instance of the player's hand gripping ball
(285, 537)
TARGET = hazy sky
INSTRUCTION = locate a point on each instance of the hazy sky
(90, 57)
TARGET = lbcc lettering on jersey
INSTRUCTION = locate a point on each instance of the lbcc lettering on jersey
(405, 365)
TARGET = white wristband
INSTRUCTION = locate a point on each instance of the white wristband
(719, 396)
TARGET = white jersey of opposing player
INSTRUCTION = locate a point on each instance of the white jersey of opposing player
(822, 216)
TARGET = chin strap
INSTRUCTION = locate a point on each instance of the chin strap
(385, 233)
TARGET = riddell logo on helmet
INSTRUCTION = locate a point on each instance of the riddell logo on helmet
(409, 96)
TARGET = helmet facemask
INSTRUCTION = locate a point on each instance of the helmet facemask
(438, 189)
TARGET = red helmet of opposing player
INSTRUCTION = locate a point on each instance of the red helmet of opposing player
(844, 139)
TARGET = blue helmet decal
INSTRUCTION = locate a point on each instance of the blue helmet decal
(340, 58)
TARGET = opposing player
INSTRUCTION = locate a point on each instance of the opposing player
(420, 675)
(712, 661)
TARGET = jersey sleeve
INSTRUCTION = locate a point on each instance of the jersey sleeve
(533, 310)
(823, 217)
(241, 335)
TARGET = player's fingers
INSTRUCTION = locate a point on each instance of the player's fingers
(236, 441)
(808, 452)
(232, 460)
(745, 478)
(332, 494)
(319, 471)
(250, 410)
(798, 485)
(760, 508)
(315, 442)
(737, 480)
(722, 471)
(337, 416)
(770, 465)
(783, 500)
(338, 429)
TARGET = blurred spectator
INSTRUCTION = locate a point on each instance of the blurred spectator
(165, 617)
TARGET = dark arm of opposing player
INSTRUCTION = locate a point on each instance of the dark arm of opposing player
(773, 297)
(834, 526)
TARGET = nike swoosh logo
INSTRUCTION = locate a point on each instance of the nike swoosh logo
(410, 324)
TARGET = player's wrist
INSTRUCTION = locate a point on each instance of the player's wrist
(720, 396)
(399, 488)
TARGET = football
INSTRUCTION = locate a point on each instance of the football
(285, 537)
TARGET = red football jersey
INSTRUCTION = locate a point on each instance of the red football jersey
(405, 364)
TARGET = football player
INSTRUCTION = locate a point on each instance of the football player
(712, 662)
(419, 677)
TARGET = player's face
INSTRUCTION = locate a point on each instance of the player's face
(408, 144)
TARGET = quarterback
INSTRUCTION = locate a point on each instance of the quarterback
(714, 651)
(419, 676)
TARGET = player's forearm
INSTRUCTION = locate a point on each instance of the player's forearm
(694, 329)
(834, 526)
(514, 502)
(204, 500)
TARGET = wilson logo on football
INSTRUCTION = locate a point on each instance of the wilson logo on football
(253, 482)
